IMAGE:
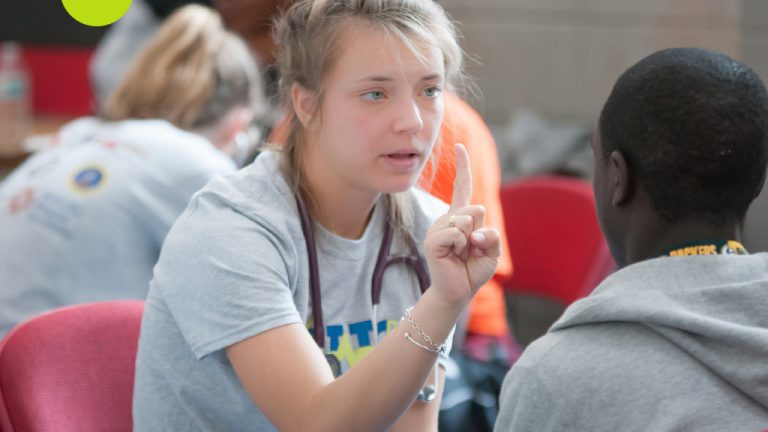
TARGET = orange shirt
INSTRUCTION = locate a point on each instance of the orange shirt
(462, 124)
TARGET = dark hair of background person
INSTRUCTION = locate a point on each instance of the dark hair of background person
(693, 127)
(163, 8)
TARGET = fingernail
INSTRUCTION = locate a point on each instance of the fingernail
(478, 236)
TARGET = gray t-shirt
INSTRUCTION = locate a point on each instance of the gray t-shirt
(234, 265)
(84, 220)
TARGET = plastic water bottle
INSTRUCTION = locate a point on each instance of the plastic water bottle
(15, 113)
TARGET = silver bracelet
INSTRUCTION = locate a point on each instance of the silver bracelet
(433, 347)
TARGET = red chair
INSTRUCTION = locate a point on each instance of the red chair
(554, 238)
(71, 369)
(60, 79)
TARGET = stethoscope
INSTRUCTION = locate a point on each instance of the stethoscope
(384, 260)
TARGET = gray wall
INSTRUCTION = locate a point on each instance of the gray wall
(560, 57)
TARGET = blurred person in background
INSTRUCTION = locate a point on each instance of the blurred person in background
(123, 42)
(84, 219)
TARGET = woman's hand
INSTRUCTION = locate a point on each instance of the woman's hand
(461, 253)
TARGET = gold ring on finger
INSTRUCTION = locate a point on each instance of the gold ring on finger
(451, 221)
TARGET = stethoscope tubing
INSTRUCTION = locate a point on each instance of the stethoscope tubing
(383, 261)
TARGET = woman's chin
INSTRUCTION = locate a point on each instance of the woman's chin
(398, 185)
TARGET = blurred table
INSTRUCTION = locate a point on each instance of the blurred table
(41, 125)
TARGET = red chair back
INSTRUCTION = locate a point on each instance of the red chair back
(71, 369)
(60, 79)
(554, 238)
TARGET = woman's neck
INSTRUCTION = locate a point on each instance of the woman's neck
(343, 217)
(338, 206)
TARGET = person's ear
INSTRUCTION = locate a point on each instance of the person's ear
(303, 101)
(236, 121)
(759, 188)
(619, 176)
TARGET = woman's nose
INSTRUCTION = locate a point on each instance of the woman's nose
(408, 117)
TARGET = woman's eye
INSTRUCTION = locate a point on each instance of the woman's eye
(374, 95)
(432, 91)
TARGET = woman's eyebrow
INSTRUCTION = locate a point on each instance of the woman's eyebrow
(431, 77)
(376, 78)
(382, 78)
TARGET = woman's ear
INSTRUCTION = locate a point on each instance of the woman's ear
(303, 101)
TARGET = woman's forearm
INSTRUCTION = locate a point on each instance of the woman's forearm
(379, 389)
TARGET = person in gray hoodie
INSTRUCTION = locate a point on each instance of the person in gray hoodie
(677, 339)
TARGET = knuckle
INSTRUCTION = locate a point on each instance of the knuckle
(457, 234)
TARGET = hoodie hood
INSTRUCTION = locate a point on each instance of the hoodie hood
(715, 308)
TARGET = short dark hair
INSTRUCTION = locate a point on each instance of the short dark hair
(693, 127)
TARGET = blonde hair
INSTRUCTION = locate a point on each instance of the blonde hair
(309, 38)
(191, 73)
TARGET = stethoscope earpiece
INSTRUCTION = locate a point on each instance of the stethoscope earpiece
(427, 394)
(334, 363)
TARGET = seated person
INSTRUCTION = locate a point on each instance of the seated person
(83, 220)
(677, 339)
(274, 290)
(486, 329)
(122, 43)
(487, 325)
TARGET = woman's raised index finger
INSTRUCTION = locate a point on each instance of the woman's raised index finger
(462, 185)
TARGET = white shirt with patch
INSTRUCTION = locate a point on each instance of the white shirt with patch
(84, 220)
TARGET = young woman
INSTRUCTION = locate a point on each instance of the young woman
(301, 240)
(84, 220)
